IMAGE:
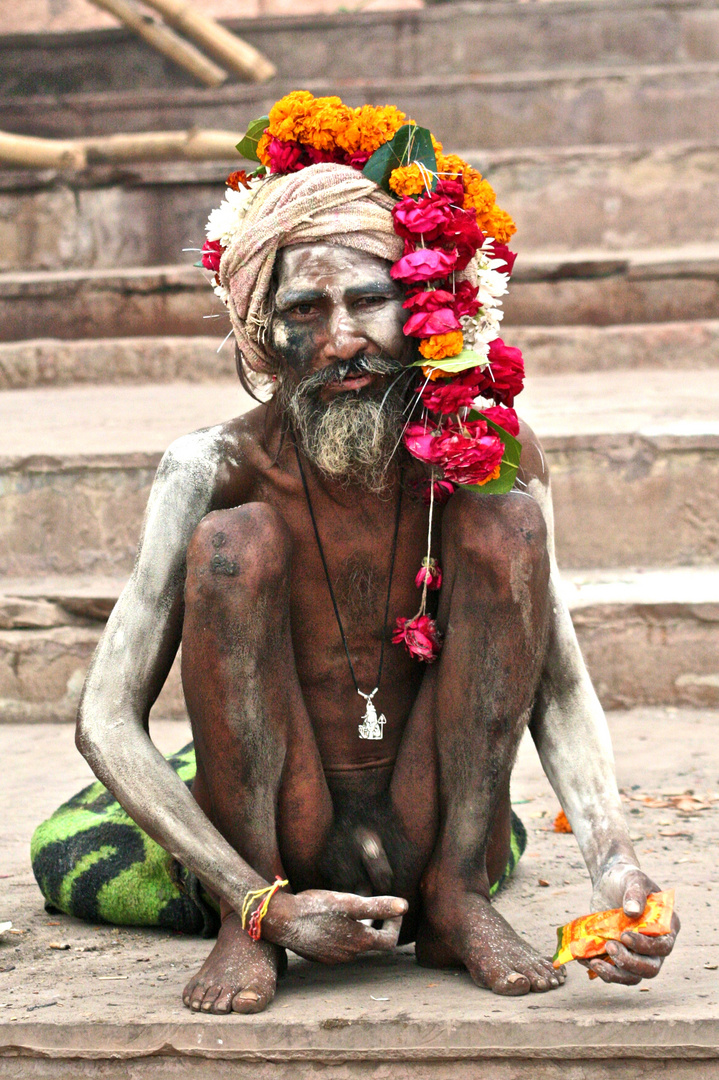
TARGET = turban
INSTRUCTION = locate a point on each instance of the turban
(325, 203)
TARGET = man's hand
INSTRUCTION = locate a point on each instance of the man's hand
(328, 927)
(635, 956)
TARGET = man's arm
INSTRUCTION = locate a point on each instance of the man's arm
(572, 738)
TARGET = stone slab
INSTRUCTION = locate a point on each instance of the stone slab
(548, 350)
(557, 288)
(63, 1017)
(654, 104)
(612, 198)
(627, 456)
(463, 37)
(648, 637)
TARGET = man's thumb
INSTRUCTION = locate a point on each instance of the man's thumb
(635, 896)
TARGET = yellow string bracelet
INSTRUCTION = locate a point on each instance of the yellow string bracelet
(254, 925)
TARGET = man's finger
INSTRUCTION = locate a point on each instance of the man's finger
(610, 974)
(373, 907)
(648, 946)
(646, 967)
(383, 940)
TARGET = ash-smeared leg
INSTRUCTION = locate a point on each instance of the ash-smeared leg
(239, 975)
(494, 614)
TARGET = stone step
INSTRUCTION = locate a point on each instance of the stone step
(652, 104)
(634, 459)
(587, 196)
(548, 289)
(649, 637)
(548, 350)
(465, 38)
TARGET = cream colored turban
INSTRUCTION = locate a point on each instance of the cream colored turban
(329, 203)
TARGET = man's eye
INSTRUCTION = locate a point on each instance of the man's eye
(303, 309)
(371, 301)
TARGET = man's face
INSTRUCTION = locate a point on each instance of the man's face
(337, 329)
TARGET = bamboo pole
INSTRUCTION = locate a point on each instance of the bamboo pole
(193, 145)
(28, 152)
(230, 50)
(165, 41)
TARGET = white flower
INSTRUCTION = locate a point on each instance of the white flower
(223, 293)
(225, 220)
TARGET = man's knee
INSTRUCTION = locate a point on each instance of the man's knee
(502, 535)
(246, 548)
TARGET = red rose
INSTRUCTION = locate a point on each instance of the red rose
(429, 300)
(464, 234)
(425, 323)
(424, 217)
(443, 491)
(212, 252)
(501, 251)
(503, 378)
(465, 299)
(430, 572)
(447, 396)
(358, 160)
(504, 418)
(285, 157)
(452, 190)
(424, 264)
(467, 458)
(420, 637)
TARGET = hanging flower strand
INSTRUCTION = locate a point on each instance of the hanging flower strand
(420, 635)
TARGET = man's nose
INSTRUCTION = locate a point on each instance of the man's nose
(345, 337)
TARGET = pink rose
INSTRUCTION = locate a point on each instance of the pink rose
(430, 572)
(425, 323)
(357, 160)
(424, 217)
(418, 438)
(420, 637)
(504, 418)
(503, 378)
(424, 264)
(466, 454)
(429, 300)
(212, 252)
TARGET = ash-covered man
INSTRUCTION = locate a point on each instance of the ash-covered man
(282, 548)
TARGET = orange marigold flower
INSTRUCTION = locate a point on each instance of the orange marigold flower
(494, 475)
(450, 165)
(478, 193)
(439, 346)
(408, 180)
(376, 126)
(499, 224)
(561, 823)
(262, 145)
(434, 373)
(325, 123)
(237, 179)
(287, 115)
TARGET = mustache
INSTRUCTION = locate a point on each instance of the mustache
(362, 364)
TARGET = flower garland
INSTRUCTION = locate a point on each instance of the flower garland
(455, 268)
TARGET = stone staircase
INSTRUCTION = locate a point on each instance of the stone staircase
(596, 122)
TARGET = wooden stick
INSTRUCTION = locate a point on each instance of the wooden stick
(165, 41)
(193, 145)
(229, 49)
(160, 146)
(23, 150)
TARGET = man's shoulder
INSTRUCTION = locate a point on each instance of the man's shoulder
(234, 450)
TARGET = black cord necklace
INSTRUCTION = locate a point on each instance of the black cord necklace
(372, 726)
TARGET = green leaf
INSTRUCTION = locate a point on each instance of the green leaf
(510, 460)
(247, 146)
(410, 143)
(461, 362)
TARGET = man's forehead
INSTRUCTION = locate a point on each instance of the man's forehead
(322, 268)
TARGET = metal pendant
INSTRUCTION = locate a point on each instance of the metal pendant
(372, 726)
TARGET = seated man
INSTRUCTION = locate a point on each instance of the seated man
(281, 548)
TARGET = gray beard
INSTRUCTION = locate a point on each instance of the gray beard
(352, 438)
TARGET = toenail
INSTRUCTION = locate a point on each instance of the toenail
(515, 977)
(207, 1005)
(542, 984)
(248, 995)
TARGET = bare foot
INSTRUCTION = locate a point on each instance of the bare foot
(464, 928)
(239, 975)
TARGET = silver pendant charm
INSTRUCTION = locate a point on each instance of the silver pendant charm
(372, 725)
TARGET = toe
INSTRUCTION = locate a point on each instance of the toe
(514, 983)
(197, 997)
(250, 1001)
(211, 996)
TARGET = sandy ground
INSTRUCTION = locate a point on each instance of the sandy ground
(56, 970)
